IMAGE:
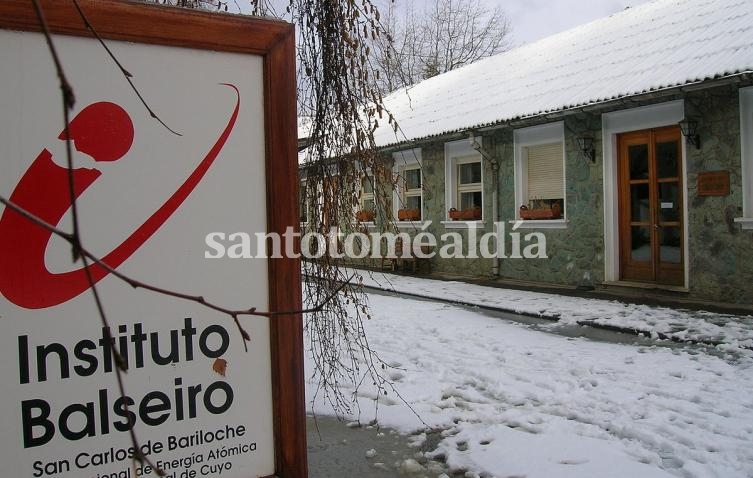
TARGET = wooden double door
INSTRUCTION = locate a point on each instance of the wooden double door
(651, 206)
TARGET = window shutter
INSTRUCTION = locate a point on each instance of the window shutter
(546, 175)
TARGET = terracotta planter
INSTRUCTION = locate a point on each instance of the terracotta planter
(554, 212)
(409, 214)
(471, 214)
(365, 216)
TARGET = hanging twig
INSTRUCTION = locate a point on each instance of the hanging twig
(137, 284)
(340, 93)
(74, 238)
(128, 76)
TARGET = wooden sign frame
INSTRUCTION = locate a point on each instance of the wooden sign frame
(274, 41)
(713, 183)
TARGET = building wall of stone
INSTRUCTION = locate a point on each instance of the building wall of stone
(435, 210)
(574, 253)
(720, 252)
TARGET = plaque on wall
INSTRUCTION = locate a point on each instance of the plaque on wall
(713, 183)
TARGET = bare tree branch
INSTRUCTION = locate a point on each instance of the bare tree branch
(82, 254)
(339, 93)
(126, 74)
(74, 238)
(445, 35)
(137, 284)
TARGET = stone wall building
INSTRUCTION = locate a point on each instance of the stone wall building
(584, 129)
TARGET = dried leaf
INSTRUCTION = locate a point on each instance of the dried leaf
(220, 366)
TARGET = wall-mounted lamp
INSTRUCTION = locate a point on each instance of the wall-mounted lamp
(586, 146)
(689, 129)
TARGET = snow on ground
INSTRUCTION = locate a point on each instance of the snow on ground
(504, 400)
(734, 333)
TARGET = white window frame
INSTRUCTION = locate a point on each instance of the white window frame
(635, 119)
(455, 153)
(524, 138)
(306, 206)
(746, 156)
(403, 161)
(362, 196)
(470, 187)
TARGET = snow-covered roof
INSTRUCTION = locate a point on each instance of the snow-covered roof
(658, 45)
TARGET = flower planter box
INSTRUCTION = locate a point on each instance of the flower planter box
(365, 216)
(554, 212)
(409, 214)
(465, 214)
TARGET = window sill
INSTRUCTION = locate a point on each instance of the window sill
(464, 224)
(366, 224)
(409, 224)
(745, 222)
(540, 223)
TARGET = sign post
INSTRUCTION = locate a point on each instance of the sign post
(201, 400)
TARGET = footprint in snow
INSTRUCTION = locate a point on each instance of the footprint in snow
(396, 376)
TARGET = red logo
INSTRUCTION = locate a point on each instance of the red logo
(104, 131)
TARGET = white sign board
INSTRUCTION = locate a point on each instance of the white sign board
(198, 401)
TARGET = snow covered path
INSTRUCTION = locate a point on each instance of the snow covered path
(505, 400)
(733, 333)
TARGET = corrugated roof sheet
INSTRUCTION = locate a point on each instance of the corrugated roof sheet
(657, 45)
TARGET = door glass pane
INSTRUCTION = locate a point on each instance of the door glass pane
(639, 203)
(669, 202)
(640, 244)
(638, 160)
(667, 155)
(469, 173)
(670, 245)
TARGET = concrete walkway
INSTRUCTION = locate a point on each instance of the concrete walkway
(337, 450)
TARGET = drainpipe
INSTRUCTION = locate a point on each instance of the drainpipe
(494, 163)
